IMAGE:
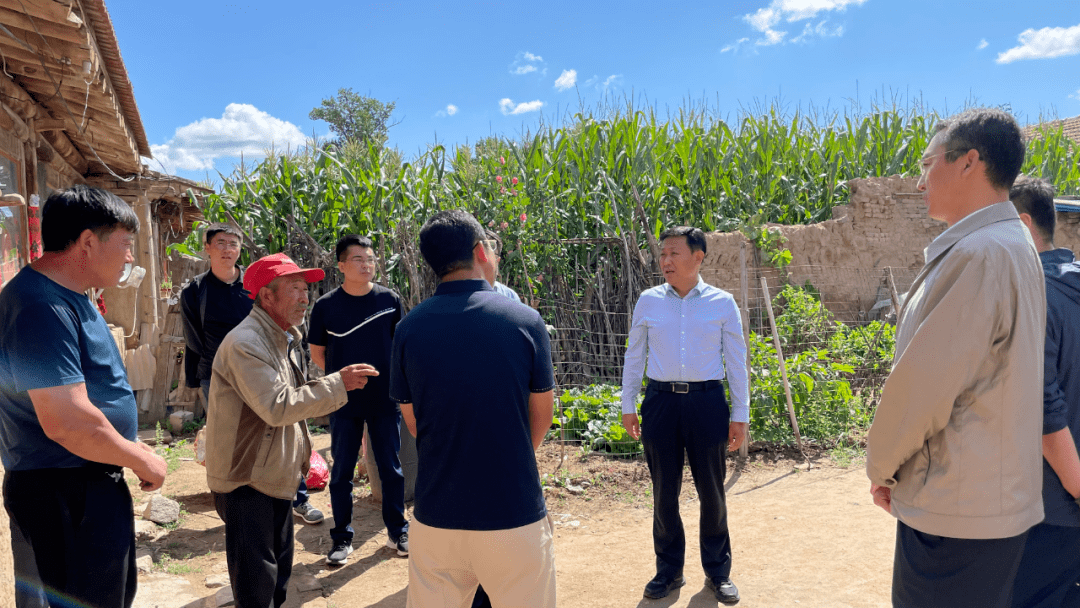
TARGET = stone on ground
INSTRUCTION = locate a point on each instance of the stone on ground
(178, 419)
(147, 531)
(149, 436)
(217, 580)
(162, 510)
(164, 591)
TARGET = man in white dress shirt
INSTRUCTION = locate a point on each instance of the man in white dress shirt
(690, 334)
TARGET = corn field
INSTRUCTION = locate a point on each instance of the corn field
(577, 206)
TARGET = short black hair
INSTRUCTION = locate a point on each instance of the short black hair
(68, 212)
(220, 227)
(447, 241)
(1035, 197)
(695, 238)
(994, 134)
(349, 240)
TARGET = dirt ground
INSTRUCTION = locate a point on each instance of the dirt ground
(805, 538)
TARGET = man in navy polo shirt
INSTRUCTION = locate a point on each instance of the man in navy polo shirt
(472, 372)
(67, 413)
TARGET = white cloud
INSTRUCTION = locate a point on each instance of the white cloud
(1046, 43)
(821, 30)
(765, 19)
(734, 46)
(605, 84)
(242, 129)
(450, 110)
(982, 45)
(566, 80)
(507, 106)
(1077, 96)
(526, 62)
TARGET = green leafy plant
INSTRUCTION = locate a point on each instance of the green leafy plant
(592, 416)
(769, 241)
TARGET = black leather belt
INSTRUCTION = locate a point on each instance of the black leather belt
(683, 387)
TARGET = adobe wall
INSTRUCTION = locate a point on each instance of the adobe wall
(884, 228)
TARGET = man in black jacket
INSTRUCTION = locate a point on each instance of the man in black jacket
(211, 305)
(1050, 567)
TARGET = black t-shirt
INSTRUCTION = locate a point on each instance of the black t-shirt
(467, 359)
(211, 308)
(358, 329)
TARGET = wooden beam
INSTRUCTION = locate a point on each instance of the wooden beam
(63, 146)
(54, 48)
(17, 97)
(50, 125)
(23, 26)
(44, 91)
(51, 10)
(16, 55)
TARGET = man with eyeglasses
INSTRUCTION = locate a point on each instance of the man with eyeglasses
(494, 243)
(211, 305)
(955, 450)
(355, 324)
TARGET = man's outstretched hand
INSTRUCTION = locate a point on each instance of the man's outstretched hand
(355, 376)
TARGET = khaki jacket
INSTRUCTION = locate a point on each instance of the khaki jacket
(958, 432)
(256, 432)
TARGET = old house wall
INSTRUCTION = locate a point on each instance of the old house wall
(882, 230)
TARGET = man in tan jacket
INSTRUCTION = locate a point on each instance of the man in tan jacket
(257, 443)
(955, 451)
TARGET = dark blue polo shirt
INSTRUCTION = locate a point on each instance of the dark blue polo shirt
(467, 359)
(52, 336)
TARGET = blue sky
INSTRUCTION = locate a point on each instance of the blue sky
(214, 79)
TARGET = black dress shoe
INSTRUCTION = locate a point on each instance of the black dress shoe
(725, 590)
(662, 584)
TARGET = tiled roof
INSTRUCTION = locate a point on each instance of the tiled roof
(1070, 126)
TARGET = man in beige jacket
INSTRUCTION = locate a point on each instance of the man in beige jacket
(955, 451)
(257, 443)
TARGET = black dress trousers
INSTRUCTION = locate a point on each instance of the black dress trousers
(696, 422)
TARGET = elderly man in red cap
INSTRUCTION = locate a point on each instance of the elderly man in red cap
(257, 443)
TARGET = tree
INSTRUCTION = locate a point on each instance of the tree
(355, 118)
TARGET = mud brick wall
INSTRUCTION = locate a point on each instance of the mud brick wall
(884, 228)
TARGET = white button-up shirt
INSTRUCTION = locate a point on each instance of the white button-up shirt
(689, 339)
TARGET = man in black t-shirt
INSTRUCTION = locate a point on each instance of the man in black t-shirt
(355, 324)
(472, 373)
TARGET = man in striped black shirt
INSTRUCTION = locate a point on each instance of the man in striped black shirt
(355, 324)
(689, 334)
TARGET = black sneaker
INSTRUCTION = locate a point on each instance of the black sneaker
(401, 544)
(340, 554)
(725, 591)
(308, 513)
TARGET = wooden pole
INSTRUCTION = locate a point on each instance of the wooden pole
(744, 449)
(893, 295)
(783, 367)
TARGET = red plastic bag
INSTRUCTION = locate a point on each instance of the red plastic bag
(319, 474)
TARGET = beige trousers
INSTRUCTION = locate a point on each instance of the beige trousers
(516, 566)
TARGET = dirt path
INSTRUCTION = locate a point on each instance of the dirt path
(800, 538)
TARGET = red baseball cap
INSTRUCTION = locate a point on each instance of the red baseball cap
(266, 269)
